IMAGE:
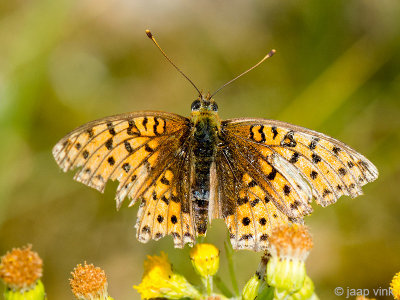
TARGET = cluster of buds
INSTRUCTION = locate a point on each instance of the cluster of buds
(282, 272)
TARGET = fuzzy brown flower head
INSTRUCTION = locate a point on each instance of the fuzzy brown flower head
(291, 241)
(21, 268)
(88, 282)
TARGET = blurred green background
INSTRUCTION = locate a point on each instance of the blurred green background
(64, 63)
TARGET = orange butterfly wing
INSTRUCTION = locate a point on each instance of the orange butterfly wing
(141, 151)
(274, 169)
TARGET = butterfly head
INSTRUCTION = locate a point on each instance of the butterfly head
(204, 105)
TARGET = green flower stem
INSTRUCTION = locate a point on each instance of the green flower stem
(208, 283)
(229, 254)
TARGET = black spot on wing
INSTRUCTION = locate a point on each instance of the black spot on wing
(315, 158)
(165, 181)
(111, 129)
(288, 140)
(111, 160)
(313, 174)
(261, 131)
(272, 174)
(254, 202)
(126, 167)
(274, 132)
(251, 132)
(144, 122)
(90, 132)
(294, 158)
(85, 154)
(156, 123)
(109, 144)
(146, 229)
(326, 193)
(286, 189)
(131, 126)
(342, 171)
(165, 200)
(241, 201)
(336, 150)
(252, 183)
(174, 219)
(313, 143)
(128, 146)
(246, 221)
(148, 148)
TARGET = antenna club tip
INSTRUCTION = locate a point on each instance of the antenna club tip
(272, 52)
(149, 34)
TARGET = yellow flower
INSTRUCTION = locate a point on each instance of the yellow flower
(395, 286)
(205, 259)
(159, 281)
(289, 247)
(89, 283)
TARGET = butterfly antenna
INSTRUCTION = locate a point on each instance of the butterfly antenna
(150, 35)
(272, 52)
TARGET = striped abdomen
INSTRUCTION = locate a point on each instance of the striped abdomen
(204, 148)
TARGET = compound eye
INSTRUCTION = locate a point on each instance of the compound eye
(196, 105)
(214, 106)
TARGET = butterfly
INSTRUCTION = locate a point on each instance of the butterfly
(255, 174)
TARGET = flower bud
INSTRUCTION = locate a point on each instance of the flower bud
(250, 290)
(205, 259)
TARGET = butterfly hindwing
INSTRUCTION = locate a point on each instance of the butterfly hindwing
(247, 209)
(165, 207)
